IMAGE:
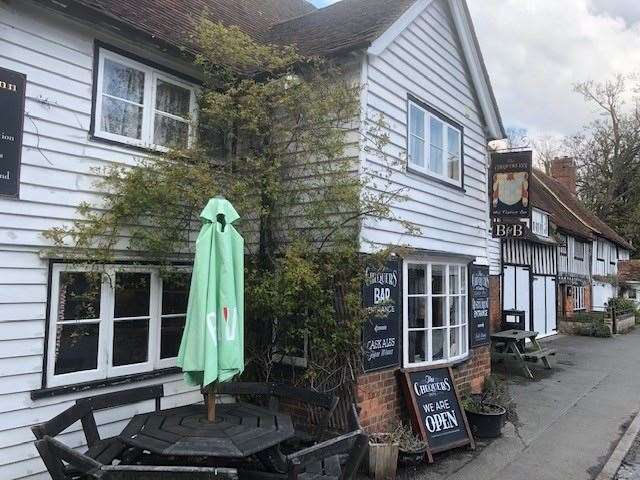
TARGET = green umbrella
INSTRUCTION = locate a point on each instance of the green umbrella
(212, 347)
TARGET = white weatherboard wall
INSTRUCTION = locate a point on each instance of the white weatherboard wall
(57, 57)
(426, 61)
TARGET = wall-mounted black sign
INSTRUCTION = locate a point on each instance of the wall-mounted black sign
(381, 331)
(433, 399)
(509, 186)
(12, 92)
(479, 305)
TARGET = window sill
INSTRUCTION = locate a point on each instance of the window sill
(138, 148)
(98, 384)
(437, 180)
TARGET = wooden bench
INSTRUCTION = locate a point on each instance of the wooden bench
(102, 450)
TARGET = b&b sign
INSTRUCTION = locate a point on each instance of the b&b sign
(510, 181)
(506, 230)
(433, 400)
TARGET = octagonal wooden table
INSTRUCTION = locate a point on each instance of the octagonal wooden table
(240, 430)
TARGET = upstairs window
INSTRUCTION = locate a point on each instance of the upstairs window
(562, 244)
(600, 249)
(434, 144)
(540, 223)
(578, 253)
(140, 105)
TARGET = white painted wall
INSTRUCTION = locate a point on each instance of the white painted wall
(57, 158)
(426, 61)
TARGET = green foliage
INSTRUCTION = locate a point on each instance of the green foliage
(279, 135)
(495, 392)
(622, 305)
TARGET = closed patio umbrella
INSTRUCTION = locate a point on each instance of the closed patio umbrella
(212, 347)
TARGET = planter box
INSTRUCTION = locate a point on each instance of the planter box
(583, 329)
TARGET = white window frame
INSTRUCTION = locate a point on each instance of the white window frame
(104, 368)
(578, 298)
(428, 295)
(426, 138)
(151, 77)
(540, 222)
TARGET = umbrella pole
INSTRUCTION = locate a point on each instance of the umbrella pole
(211, 402)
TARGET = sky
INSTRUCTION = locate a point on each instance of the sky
(536, 50)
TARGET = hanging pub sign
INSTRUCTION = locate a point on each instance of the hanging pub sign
(509, 181)
(479, 305)
(434, 404)
(12, 94)
(381, 331)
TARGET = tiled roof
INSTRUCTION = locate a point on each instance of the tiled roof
(343, 26)
(629, 270)
(174, 21)
(581, 218)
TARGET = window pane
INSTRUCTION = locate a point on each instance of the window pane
(79, 296)
(453, 162)
(463, 310)
(435, 160)
(132, 294)
(173, 99)
(417, 282)
(121, 118)
(438, 318)
(417, 312)
(130, 342)
(123, 82)
(454, 279)
(455, 342)
(170, 132)
(417, 349)
(76, 347)
(438, 341)
(416, 151)
(416, 121)
(463, 280)
(436, 150)
(170, 336)
(436, 132)
(175, 293)
(454, 311)
(437, 279)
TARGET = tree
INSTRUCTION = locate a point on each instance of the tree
(546, 148)
(606, 153)
(276, 137)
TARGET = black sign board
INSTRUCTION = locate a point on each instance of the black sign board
(433, 399)
(479, 305)
(509, 186)
(12, 92)
(381, 331)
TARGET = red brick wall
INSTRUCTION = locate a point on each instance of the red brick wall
(495, 303)
(382, 402)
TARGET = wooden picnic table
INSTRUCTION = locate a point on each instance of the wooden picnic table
(509, 345)
(240, 430)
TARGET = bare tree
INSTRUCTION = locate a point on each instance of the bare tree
(546, 148)
(607, 153)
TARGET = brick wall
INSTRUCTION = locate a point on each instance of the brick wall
(495, 303)
(382, 402)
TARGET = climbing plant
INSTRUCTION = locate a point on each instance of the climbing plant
(281, 135)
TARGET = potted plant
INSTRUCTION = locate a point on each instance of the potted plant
(487, 412)
(383, 455)
(411, 449)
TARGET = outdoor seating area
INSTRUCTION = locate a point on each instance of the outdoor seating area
(246, 440)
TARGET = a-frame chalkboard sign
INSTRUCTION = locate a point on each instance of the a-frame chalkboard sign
(436, 413)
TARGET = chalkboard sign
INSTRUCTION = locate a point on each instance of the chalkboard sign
(479, 305)
(381, 331)
(12, 92)
(433, 400)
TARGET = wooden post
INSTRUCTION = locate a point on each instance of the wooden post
(211, 402)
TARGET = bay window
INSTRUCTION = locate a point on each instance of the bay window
(434, 144)
(115, 321)
(139, 105)
(435, 313)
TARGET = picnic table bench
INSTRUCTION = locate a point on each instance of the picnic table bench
(509, 345)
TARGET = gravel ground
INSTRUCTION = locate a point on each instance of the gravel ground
(630, 468)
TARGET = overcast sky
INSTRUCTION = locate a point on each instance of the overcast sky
(535, 50)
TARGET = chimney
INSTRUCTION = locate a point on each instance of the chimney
(564, 171)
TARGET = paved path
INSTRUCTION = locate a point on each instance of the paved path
(571, 419)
